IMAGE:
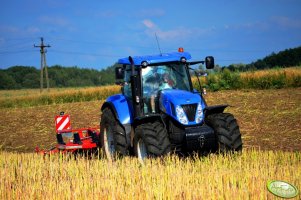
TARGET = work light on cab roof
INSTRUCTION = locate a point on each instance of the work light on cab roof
(144, 61)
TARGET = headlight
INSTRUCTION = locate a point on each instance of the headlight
(199, 114)
(181, 115)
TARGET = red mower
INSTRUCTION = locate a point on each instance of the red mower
(72, 140)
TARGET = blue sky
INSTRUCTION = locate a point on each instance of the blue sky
(95, 33)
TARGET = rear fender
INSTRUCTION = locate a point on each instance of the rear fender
(119, 105)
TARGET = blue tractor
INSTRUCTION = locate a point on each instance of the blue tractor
(159, 111)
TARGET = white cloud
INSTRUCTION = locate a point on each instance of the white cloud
(149, 24)
(179, 32)
(175, 33)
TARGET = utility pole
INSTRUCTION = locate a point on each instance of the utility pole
(43, 64)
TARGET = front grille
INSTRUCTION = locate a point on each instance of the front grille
(190, 110)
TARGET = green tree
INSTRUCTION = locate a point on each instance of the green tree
(6, 81)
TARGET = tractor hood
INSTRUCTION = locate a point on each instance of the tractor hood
(185, 107)
(178, 97)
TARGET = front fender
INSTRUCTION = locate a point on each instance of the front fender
(214, 109)
(147, 118)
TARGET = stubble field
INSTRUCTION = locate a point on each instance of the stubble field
(269, 122)
(268, 119)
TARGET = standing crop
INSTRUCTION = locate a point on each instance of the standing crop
(31, 176)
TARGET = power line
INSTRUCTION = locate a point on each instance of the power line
(85, 54)
(103, 43)
(137, 46)
(153, 47)
(21, 43)
(16, 52)
(14, 46)
(148, 47)
(7, 44)
(18, 39)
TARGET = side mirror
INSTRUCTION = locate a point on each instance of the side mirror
(209, 61)
(119, 73)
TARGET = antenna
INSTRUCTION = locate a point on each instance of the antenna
(158, 44)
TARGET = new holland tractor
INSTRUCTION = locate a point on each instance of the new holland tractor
(159, 111)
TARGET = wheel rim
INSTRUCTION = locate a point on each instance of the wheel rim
(108, 142)
(141, 150)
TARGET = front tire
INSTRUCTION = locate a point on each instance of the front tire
(112, 135)
(151, 140)
(227, 131)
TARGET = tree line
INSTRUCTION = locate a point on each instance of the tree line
(286, 58)
(19, 77)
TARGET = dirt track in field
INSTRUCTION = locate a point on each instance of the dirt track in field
(268, 119)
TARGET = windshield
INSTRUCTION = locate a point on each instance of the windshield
(155, 79)
(169, 76)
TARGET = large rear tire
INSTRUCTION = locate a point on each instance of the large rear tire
(112, 136)
(227, 132)
(151, 140)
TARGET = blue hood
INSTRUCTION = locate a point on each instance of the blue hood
(171, 98)
(180, 97)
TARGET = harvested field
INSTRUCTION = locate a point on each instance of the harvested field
(268, 119)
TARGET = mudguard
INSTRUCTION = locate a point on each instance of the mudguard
(214, 109)
(119, 105)
(146, 118)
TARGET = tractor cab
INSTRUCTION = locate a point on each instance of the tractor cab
(154, 75)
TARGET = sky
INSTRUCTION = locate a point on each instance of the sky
(96, 33)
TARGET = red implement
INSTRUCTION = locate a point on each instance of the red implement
(72, 140)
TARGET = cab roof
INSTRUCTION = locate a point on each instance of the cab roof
(153, 59)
